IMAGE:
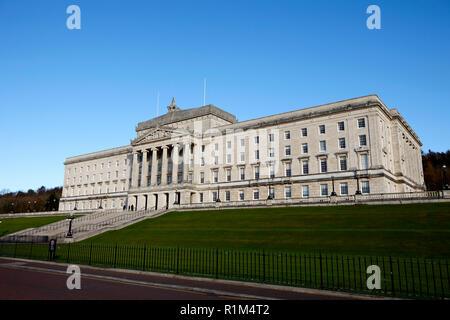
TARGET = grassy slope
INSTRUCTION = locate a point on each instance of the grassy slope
(11, 225)
(406, 230)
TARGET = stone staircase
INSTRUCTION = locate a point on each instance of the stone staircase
(84, 227)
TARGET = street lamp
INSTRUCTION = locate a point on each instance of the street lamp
(69, 233)
(333, 193)
(357, 184)
(444, 180)
(218, 197)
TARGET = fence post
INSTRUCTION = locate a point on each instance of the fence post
(90, 254)
(115, 256)
(31, 249)
(264, 266)
(321, 274)
(178, 258)
(217, 263)
(143, 259)
(392, 276)
(68, 253)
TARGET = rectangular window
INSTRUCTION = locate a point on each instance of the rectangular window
(323, 145)
(216, 147)
(343, 163)
(304, 148)
(257, 140)
(361, 123)
(362, 140)
(228, 175)
(214, 196)
(216, 160)
(304, 132)
(256, 172)
(202, 162)
(227, 195)
(228, 158)
(344, 189)
(241, 195)
(272, 171)
(341, 126)
(203, 150)
(322, 129)
(288, 169)
(305, 191)
(271, 137)
(287, 150)
(256, 194)
(323, 165)
(271, 152)
(364, 161)
(229, 144)
(287, 192)
(287, 135)
(256, 154)
(365, 188)
(242, 142)
(305, 166)
(216, 176)
(242, 171)
(324, 190)
(271, 193)
(202, 177)
(242, 156)
(201, 197)
(342, 143)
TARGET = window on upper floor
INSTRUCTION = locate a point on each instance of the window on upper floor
(341, 126)
(322, 129)
(361, 123)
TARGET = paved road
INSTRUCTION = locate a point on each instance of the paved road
(24, 279)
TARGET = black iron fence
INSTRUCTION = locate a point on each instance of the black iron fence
(399, 277)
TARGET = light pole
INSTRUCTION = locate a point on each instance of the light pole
(218, 197)
(69, 233)
(357, 184)
(333, 193)
(444, 179)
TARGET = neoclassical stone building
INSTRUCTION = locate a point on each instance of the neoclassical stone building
(204, 155)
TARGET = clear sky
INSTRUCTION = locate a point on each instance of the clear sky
(69, 92)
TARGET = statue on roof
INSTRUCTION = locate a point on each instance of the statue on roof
(173, 107)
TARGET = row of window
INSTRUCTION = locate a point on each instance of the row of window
(90, 168)
(305, 192)
(93, 178)
(364, 165)
(287, 151)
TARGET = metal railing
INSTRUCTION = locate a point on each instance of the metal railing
(399, 277)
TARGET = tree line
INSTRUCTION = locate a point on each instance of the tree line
(41, 199)
(44, 199)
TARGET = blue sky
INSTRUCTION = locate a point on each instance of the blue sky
(69, 92)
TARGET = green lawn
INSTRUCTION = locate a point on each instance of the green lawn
(417, 230)
(11, 225)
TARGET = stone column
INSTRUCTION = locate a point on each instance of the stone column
(154, 166)
(164, 165)
(175, 152)
(196, 163)
(186, 155)
(135, 172)
(144, 174)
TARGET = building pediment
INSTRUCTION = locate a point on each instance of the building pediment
(157, 134)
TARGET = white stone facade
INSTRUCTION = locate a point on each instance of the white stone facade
(198, 155)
